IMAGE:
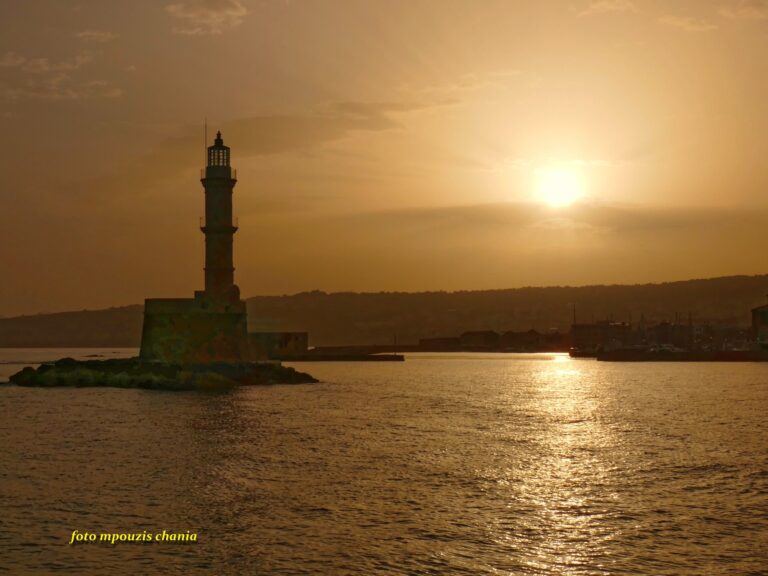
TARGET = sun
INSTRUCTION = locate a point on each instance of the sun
(559, 186)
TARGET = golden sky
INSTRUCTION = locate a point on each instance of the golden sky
(380, 145)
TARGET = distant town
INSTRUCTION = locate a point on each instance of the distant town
(718, 314)
(583, 340)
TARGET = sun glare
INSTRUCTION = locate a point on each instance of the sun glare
(558, 186)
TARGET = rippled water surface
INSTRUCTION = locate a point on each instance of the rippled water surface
(473, 464)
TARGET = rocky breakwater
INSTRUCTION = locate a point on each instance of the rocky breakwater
(133, 373)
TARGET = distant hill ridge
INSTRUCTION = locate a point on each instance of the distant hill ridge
(381, 317)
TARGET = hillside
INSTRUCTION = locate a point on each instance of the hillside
(377, 318)
(118, 327)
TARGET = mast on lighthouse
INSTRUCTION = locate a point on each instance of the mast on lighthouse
(219, 181)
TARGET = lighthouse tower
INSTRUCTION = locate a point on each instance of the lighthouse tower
(212, 326)
(218, 226)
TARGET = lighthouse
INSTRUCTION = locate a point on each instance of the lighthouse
(212, 326)
(218, 225)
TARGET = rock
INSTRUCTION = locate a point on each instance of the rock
(133, 373)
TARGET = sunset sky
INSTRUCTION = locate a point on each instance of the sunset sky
(380, 145)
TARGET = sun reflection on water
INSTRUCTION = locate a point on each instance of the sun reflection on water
(566, 477)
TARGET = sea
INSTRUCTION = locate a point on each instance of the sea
(443, 464)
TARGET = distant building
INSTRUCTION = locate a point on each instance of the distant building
(669, 334)
(556, 341)
(278, 344)
(480, 339)
(522, 341)
(440, 344)
(600, 335)
(760, 326)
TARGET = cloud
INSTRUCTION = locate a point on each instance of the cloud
(255, 136)
(45, 66)
(688, 23)
(746, 10)
(510, 244)
(96, 36)
(44, 79)
(11, 60)
(376, 112)
(206, 17)
(62, 87)
(607, 6)
(516, 218)
(452, 92)
(277, 134)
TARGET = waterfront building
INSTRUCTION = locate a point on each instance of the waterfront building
(479, 339)
(760, 326)
(600, 335)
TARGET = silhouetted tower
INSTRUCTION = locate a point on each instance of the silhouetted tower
(212, 326)
(219, 180)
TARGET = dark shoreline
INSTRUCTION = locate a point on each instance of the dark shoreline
(683, 356)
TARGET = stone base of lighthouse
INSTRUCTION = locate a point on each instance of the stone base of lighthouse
(194, 331)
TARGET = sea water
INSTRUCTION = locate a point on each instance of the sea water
(443, 464)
